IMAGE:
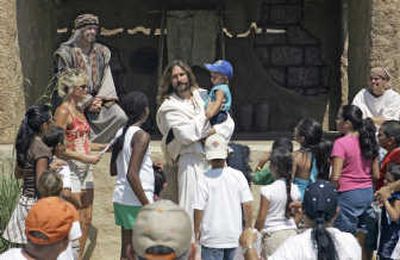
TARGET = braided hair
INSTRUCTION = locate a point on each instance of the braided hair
(30, 126)
(134, 104)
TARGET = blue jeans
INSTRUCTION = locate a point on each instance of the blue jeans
(356, 213)
(209, 253)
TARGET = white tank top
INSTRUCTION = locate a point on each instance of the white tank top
(123, 192)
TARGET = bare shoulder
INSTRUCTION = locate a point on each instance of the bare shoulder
(141, 137)
(62, 111)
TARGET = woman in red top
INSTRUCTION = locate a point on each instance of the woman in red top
(72, 86)
(389, 139)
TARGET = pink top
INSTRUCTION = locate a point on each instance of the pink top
(77, 135)
(356, 172)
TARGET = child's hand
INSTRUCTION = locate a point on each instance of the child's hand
(92, 159)
(383, 194)
(247, 238)
(56, 164)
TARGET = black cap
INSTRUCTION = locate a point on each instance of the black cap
(320, 200)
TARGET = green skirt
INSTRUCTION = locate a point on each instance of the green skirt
(125, 216)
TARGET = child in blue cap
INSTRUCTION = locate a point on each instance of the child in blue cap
(219, 98)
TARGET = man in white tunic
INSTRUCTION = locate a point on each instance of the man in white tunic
(378, 101)
(182, 122)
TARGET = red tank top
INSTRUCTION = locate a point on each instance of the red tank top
(77, 135)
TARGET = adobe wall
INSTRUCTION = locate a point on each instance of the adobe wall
(12, 103)
(385, 37)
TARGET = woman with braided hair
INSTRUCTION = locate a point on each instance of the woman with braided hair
(132, 164)
(33, 157)
(274, 219)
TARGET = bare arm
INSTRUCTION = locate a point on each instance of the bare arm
(247, 212)
(295, 156)
(246, 240)
(263, 161)
(337, 166)
(18, 172)
(215, 106)
(393, 209)
(375, 169)
(385, 192)
(140, 143)
(198, 217)
(40, 167)
(262, 213)
(97, 147)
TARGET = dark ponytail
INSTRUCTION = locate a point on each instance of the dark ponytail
(322, 153)
(311, 131)
(282, 161)
(134, 105)
(322, 239)
(320, 206)
(365, 128)
(31, 125)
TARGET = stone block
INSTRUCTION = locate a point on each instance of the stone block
(270, 39)
(297, 35)
(313, 56)
(274, 1)
(325, 76)
(285, 14)
(277, 74)
(303, 76)
(285, 56)
(263, 54)
(314, 91)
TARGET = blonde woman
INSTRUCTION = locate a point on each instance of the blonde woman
(72, 87)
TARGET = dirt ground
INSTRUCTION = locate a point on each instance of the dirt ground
(104, 241)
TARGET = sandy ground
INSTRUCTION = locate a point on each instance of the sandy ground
(104, 240)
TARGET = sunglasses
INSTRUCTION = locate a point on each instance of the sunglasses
(83, 87)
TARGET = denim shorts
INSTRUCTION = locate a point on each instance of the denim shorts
(219, 118)
(209, 253)
(356, 214)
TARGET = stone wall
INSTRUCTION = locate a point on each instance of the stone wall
(359, 26)
(36, 33)
(12, 103)
(385, 37)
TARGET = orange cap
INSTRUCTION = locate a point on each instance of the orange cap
(49, 221)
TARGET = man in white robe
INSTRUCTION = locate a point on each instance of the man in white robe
(378, 101)
(182, 122)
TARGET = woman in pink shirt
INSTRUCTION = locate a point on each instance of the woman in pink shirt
(354, 167)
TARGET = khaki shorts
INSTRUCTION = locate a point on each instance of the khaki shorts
(81, 177)
(272, 240)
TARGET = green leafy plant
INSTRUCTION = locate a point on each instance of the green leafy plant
(9, 192)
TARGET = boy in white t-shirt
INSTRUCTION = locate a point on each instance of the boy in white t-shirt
(221, 194)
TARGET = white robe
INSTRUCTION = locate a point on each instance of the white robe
(189, 124)
(386, 106)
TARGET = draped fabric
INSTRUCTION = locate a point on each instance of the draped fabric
(192, 36)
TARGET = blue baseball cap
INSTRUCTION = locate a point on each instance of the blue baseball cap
(221, 66)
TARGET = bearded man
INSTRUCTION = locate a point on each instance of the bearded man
(182, 121)
(82, 51)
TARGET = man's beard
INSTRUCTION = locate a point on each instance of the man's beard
(182, 87)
